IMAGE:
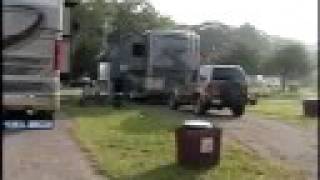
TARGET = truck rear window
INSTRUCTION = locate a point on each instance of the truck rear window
(228, 74)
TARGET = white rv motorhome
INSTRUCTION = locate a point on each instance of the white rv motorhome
(32, 47)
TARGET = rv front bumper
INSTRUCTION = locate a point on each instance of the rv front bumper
(33, 102)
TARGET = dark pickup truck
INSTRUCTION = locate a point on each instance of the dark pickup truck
(219, 86)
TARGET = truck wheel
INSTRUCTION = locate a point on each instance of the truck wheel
(173, 104)
(199, 108)
(253, 101)
(238, 110)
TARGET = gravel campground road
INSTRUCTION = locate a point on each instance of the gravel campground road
(52, 155)
(275, 140)
(44, 155)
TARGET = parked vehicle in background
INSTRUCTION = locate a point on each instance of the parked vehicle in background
(32, 52)
(98, 91)
(154, 62)
(220, 86)
(252, 98)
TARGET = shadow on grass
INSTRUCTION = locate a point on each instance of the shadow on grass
(155, 119)
(92, 111)
(144, 123)
(166, 172)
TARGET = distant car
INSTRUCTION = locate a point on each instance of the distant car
(219, 86)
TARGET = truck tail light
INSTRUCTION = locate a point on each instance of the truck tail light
(243, 88)
(58, 54)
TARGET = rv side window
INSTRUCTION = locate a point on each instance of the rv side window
(138, 50)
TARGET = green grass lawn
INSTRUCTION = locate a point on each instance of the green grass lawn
(286, 110)
(138, 143)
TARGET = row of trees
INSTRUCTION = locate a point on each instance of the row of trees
(97, 19)
(256, 51)
(253, 49)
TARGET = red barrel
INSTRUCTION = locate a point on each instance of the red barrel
(311, 107)
(198, 145)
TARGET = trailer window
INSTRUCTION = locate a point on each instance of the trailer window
(175, 42)
(138, 50)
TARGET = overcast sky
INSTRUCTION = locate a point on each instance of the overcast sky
(288, 18)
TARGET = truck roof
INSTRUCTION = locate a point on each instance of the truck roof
(171, 32)
(222, 66)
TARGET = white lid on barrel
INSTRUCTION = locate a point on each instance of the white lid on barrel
(197, 124)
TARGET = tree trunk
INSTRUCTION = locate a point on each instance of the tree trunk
(283, 82)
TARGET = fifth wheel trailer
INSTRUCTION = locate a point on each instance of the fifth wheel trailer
(32, 47)
(152, 63)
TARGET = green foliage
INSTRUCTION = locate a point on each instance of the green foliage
(98, 18)
(222, 44)
(253, 38)
(215, 42)
(136, 16)
(242, 55)
(91, 19)
(256, 51)
(290, 61)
